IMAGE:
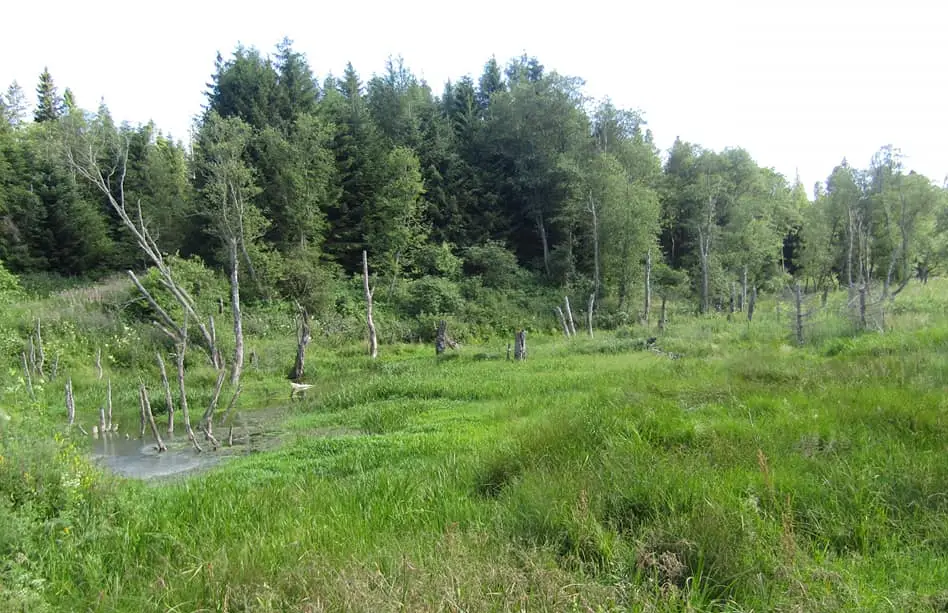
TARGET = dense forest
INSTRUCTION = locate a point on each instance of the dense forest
(514, 177)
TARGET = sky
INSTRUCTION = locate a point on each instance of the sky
(799, 84)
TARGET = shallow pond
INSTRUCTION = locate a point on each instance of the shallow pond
(139, 459)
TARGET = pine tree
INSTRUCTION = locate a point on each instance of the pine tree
(49, 106)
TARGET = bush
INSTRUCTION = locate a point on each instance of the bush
(433, 295)
(494, 264)
(438, 260)
(10, 289)
(204, 286)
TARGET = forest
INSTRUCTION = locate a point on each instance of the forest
(516, 172)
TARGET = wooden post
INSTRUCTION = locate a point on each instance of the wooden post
(798, 296)
(562, 318)
(70, 403)
(589, 313)
(146, 411)
(569, 318)
(169, 404)
(520, 345)
(373, 337)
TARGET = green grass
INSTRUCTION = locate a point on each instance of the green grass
(751, 474)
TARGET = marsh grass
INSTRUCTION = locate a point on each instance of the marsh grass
(751, 474)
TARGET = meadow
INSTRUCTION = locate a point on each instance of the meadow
(737, 471)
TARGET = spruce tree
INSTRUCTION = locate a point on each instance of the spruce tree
(49, 106)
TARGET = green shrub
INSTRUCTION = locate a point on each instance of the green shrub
(433, 295)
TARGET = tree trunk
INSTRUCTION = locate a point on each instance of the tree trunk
(752, 304)
(146, 411)
(663, 318)
(569, 318)
(238, 365)
(704, 251)
(743, 301)
(863, 324)
(440, 337)
(303, 337)
(648, 288)
(207, 420)
(541, 227)
(108, 405)
(169, 404)
(183, 397)
(98, 363)
(520, 345)
(849, 253)
(40, 354)
(589, 313)
(595, 221)
(369, 322)
(70, 403)
(559, 313)
(798, 299)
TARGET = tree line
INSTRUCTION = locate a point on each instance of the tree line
(287, 179)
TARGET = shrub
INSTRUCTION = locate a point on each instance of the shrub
(433, 295)
(494, 264)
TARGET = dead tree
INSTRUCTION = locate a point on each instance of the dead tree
(663, 319)
(705, 230)
(303, 337)
(98, 363)
(231, 405)
(102, 427)
(29, 379)
(370, 323)
(146, 411)
(207, 420)
(589, 313)
(798, 299)
(742, 299)
(40, 354)
(562, 318)
(108, 405)
(85, 157)
(183, 397)
(169, 404)
(440, 337)
(751, 304)
(595, 223)
(569, 318)
(238, 365)
(648, 288)
(70, 403)
(520, 345)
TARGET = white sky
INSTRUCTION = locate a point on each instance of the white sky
(799, 84)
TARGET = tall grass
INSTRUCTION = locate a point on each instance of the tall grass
(750, 474)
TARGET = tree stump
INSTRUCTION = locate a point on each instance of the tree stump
(520, 345)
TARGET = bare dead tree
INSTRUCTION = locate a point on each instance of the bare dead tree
(798, 300)
(569, 318)
(29, 379)
(70, 403)
(742, 304)
(237, 366)
(373, 338)
(303, 337)
(663, 319)
(589, 313)
(591, 207)
(207, 420)
(648, 287)
(40, 354)
(169, 403)
(98, 363)
(183, 397)
(84, 157)
(102, 427)
(231, 405)
(520, 345)
(440, 337)
(146, 411)
(752, 304)
(108, 405)
(562, 318)
(31, 348)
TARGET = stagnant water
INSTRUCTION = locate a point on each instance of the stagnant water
(140, 459)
